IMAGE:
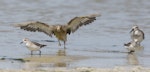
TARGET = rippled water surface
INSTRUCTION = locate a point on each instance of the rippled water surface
(99, 44)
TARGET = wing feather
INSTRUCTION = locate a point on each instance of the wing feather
(143, 34)
(77, 22)
(38, 44)
(37, 26)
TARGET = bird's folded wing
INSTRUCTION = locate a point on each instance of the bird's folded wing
(139, 34)
(40, 45)
(142, 34)
(77, 22)
(37, 26)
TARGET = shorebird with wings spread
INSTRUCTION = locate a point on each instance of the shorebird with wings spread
(60, 31)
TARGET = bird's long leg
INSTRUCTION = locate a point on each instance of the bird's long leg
(64, 44)
(39, 52)
(31, 52)
(59, 43)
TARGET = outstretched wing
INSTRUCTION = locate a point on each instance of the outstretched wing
(37, 26)
(77, 22)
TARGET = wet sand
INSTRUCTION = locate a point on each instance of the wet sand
(86, 69)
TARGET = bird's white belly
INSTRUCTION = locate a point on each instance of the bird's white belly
(32, 47)
(136, 40)
(136, 33)
(137, 36)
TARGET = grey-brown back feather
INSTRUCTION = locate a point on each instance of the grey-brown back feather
(142, 34)
(40, 45)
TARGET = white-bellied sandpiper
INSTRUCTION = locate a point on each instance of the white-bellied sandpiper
(137, 35)
(33, 46)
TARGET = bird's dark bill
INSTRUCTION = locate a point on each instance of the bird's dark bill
(21, 42)
(131, 30)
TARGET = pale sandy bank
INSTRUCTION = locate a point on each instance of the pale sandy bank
(85, 69)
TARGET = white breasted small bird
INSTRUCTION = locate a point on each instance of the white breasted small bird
(137, 35)
(33, 46)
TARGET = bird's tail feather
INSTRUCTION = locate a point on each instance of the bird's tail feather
(43, 46)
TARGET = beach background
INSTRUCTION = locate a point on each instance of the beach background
(95, 47)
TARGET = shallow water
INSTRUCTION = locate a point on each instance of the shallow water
(99, 44)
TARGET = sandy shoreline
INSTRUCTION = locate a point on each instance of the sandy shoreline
(84, 69)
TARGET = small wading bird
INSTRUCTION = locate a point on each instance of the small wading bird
(33, 46)
(137, 35)
(131, 46)
(60, 31)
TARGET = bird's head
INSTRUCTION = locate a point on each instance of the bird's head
(25, 40)
(58, 28)
(134, 28)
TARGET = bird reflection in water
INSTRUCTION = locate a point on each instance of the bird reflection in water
(132, 56)
(61, 63)
(61, 52)
(58, 60)
(132, 59)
